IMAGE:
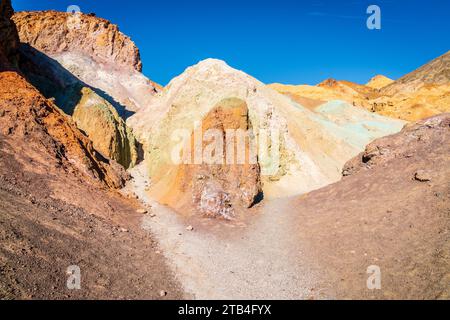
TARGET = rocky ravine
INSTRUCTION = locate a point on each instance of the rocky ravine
(390, 211)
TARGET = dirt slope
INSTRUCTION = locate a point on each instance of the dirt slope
(392, 210)
(50, 220)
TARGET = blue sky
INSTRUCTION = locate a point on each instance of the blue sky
(283, 41)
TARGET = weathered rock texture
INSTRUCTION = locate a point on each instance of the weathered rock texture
(56, 209)
(91, 70)
(414, 139)
(306, 150)
(55, 32)
(92, 50)
(100, 121)
(418, 95)
(216, 189)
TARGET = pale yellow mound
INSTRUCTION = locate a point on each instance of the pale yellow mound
(379, 82)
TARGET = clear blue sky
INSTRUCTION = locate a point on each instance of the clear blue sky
(288, 41)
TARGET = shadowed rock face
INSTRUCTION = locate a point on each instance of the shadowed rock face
(97, 47)
(29, 121)
(9, 40)
(81, 49)
(108, 132)
(34, 124)
(59, 32)
(217, 189)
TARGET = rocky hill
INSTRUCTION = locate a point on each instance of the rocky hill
(80, 60)
(92, 50)
(436, 72)
(307, 149)
(88, 35)
(418, 95)
(379, 82)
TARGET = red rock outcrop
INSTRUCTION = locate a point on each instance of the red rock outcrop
(216, 190)
(56, 32)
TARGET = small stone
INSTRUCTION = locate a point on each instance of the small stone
(422, 176)
(142, 211)
(190, 228)
(152, 215)
(162, 293)
(123, 230)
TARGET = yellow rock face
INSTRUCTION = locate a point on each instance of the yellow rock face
(213, 189)
(101, 123)
(420, 94)
(379, 82)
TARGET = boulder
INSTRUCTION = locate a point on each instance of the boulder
(218, 185)
(102, 124)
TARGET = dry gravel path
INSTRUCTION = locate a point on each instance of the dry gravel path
(221, 260)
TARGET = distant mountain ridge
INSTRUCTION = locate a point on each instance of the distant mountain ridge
(435, 72)
(422, 93)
